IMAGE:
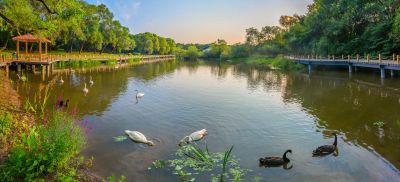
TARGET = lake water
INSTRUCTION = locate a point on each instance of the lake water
(260, 112)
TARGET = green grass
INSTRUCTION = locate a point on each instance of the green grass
(278, 62)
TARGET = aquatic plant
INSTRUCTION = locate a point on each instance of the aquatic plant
(192, 160)
(120, 138)
(112, 178)
(39, 104)
(379, 124)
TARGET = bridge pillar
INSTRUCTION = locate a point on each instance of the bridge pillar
(382, 73)
(43, 69)
(350, 68)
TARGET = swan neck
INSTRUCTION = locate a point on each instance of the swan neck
(335, 142)
(284, 156)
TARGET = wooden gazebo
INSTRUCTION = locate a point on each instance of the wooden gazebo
(29, 38)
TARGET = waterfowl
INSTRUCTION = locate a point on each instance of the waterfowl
(195, 136)
(61, 81)
(275, 161)
(326, 149)
(62, 104)
(85, 90)
(138, 137)
(139, 94)
(22, 78)
(91, 82)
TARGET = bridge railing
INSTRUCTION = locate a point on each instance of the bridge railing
(49, 58)
(378, 59)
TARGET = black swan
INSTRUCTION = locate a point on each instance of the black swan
(326, 149)
(62, 104)
(275, 161)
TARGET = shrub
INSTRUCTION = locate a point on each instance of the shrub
(48, 148)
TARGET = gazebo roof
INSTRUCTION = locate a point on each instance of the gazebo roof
(30, 38)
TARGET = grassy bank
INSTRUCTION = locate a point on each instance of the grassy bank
(277, 62)
(38, 144)
(93, 63)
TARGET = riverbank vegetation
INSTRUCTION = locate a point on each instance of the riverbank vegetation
(44, 145)
(74, 25)
(191, 160)
(328, 28)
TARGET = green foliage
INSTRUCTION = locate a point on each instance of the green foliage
(219, 50)
(192, 53)
(112, 178)
(284, 64)
(120, 138)
(74, 25)
(46, 149)
(39, 104)
(379, 124)
(192, 160)
(5, 127)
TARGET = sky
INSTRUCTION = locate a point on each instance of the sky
(201, 21)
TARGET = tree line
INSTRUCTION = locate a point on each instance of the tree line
(74, 25)
(329, 27)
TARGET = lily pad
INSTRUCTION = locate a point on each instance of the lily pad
(120, 138)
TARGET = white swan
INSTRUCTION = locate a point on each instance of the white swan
(195, 136)
(61, 81)
(139, 94)
(91, 82)
(85, 90)
(138, 137)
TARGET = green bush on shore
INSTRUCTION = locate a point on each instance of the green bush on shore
(47, 149)
(278, 62)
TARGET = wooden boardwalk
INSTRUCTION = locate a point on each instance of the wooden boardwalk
(391, 64)
(35, 59)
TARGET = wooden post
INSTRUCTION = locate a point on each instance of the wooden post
(380, 58)
(17, 49)
(342, 57)
(26, 49)
(398, 59)
(358, 57)
(368, 58)
(40, 50)
(348, 58)
(45, 47)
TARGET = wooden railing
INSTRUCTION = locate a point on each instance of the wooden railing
(378, 59)
(49, 58)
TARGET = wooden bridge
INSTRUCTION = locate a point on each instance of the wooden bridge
(352, 62)
(46, 61)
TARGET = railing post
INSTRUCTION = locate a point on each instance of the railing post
(348, 58)
(394, 57)
(333, 57)
(368, 56)
(398, 59)
(342, 57)
(380, 58)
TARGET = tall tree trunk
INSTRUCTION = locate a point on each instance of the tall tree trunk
(81, 49)
(102, 50)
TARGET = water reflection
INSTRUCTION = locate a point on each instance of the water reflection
(259, 111)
